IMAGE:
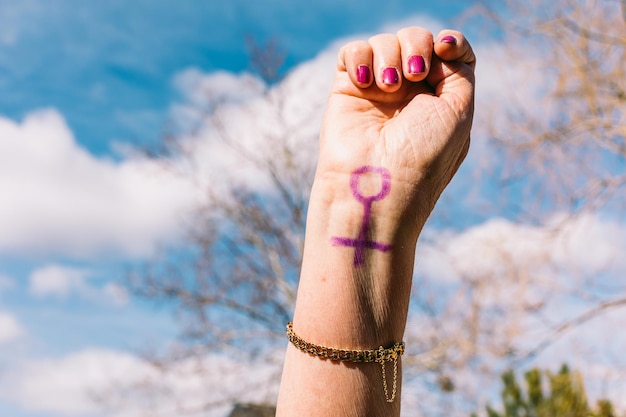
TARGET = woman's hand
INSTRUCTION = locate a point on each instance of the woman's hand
(405, 104)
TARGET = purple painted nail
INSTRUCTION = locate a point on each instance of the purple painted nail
(449, 39)
(390, 76)
(417, 64)
(363, 74)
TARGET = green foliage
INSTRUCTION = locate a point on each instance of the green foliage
(548, 395)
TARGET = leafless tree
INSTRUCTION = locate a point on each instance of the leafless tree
(234, 280)
(234, 276)
(562, 143)
(571, 153)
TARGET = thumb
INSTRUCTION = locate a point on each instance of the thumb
(451, 45)
(452, 71)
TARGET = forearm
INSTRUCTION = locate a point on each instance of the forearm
(393, 136)
(350, 305)
(354, 305)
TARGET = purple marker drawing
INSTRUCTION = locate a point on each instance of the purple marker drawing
(362, 242)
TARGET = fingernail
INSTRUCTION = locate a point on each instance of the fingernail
(417, 64)
(390, 76)
(449, 39)
(363, 74)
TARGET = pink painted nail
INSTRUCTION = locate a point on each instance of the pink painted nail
(449, 39)
(417, 64)
(390, 76)
(363, 74)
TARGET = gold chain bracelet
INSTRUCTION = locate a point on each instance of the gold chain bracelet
(380, 355)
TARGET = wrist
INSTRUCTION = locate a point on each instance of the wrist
(352, 281)
(393, 208)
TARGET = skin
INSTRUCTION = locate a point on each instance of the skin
(418, 131)
(363, 242)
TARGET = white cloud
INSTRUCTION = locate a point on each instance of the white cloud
(58, 280)
(523, 277)
(61, 200)
(589, 244)
(63, 281)
(66, 385)
(585, 244)
(239, 121)
(111, 383)
(217, 88)
(65, 201)
(10, 328)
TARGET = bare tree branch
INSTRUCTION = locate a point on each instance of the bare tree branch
(595, 312)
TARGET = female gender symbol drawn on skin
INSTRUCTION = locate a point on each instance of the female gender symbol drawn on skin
(362, 242)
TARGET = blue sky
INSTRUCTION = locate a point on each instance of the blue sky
(115, 61)
(82, 81)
